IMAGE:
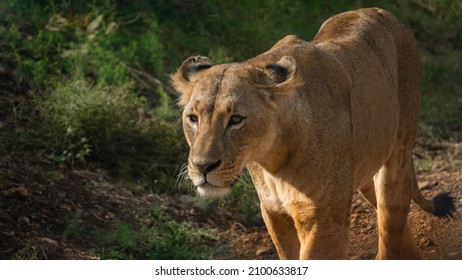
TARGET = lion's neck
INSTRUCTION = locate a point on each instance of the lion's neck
(292, 139)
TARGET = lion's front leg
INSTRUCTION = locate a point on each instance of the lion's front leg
(279, 224)
(282, 231)
(323, 233)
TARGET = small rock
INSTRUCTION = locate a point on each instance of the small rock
(265, 251)
(110, 216)
(427, 185)
(423, 184)
(427, 242)
(24, 220)
(188, 199)
(455, 254)
(148, 222)
(48, 240)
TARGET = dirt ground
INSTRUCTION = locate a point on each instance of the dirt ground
(37, 199)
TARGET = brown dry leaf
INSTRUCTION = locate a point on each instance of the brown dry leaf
(19, 192)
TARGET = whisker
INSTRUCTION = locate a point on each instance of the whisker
(183, 177)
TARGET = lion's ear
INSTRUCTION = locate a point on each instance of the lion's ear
(186, 76)
(282, 71)
(278, 77)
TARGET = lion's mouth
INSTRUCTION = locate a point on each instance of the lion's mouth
(208, 189)
(207, 186)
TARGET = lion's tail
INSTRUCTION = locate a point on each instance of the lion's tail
(442, 205)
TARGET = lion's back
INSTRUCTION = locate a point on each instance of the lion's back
(381, 57)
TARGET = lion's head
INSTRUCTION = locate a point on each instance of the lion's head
(228, 116)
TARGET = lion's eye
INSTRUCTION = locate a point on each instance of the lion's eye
(193, 118)
(235, 119)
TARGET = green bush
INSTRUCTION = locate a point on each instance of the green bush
(437, 26)
(79, 59)
(107, 50)
(81, 119)
(236, 30)
(43, 40)
(111, 124)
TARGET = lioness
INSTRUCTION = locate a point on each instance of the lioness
(313, 122)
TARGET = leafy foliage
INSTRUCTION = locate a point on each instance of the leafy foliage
(106, 123)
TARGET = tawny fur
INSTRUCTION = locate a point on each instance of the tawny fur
(314, 122)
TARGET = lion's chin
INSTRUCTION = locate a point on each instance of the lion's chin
(212, 191)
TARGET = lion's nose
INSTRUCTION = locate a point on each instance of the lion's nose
(205, 168)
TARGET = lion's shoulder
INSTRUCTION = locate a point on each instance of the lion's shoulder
(358, 23)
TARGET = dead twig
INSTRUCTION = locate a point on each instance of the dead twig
(150, 82)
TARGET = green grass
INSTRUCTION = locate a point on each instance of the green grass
(163, 239)
(75, 227)
(243, 202)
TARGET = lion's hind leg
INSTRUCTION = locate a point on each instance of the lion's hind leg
(408, 249)
(393, 200)
(393, 184)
